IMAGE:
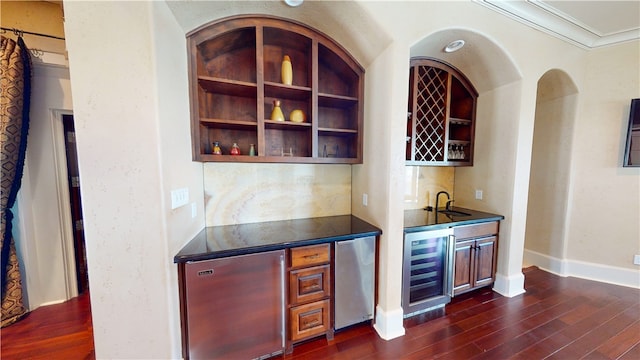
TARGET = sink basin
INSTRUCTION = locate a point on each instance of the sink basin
(453, 213)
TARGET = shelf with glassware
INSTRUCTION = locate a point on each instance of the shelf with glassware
(441, 115)
(244, 66)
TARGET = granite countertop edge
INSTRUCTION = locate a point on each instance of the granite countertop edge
(194, 251)
(421, 220)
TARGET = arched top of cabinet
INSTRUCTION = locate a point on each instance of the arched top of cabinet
(222, 26)
(437, 63)
(235, 74)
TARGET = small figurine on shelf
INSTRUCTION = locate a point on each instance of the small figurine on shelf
(235, 149)
(216, 148)
(287, 71)
(277, 114)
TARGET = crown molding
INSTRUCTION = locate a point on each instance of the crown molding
(547, 19)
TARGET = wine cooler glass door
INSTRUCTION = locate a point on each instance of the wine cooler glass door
(427, 270)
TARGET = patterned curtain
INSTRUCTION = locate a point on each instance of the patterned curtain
(15, 88)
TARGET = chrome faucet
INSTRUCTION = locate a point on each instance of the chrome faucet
(449, 201)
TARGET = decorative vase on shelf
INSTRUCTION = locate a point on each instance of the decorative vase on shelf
(297, 116)
(277, 114)
(252, 150)
(287, 71)
(216, 148)
(235, 149)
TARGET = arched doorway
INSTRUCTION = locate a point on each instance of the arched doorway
(545, 235)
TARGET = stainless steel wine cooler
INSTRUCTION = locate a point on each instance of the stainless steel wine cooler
(427, 275)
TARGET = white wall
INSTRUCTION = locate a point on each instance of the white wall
(131, 111)
(122, 89)
(39, 229)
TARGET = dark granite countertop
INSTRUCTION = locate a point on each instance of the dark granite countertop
(231, 240)
(423, 220)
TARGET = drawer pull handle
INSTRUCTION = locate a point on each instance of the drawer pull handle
(310, 323)
(312, 257)
(311, 287)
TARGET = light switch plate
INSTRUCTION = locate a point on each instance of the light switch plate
(179, 197)
(636, 259)
(478, 194)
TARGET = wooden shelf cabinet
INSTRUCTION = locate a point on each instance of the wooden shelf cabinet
(309, 292)
(441, 115)
(235, 77)
(475, 256)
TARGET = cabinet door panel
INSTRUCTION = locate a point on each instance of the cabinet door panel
(485, 260)
(463, 272)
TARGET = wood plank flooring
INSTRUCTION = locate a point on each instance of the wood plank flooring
(60, 331)
(557, 318)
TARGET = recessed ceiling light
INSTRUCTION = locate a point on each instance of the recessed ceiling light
(454, 46)
(293, 3)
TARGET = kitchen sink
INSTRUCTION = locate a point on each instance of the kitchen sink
(453, 213)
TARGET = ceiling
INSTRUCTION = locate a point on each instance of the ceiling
(588, 24)
(585, 23)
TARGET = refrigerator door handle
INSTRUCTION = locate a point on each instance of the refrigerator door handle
(451, 268)
(282, 300)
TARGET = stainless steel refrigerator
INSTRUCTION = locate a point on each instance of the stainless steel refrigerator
(354, 281)
(235, 306)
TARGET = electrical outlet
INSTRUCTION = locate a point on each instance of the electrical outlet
(636, 259)
(194, 210)
(478, 194)
(179, 197)
(365, 199)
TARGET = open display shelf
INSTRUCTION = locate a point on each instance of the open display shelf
(235, 78)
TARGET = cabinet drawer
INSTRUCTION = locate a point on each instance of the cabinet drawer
(476, 230)
(309, 320)
(309, 284)
(310, 255)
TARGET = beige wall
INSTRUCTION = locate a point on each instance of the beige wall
(551, 164)
(35, 16)
(132, 152)
(604, 209)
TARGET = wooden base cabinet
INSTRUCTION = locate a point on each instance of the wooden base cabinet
(476, 253)
(309, 292)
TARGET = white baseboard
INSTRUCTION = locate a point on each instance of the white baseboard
(509, 286)
(584, 270)
(389, 324)
(55, 302)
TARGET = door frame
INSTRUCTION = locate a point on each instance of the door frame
(64, 201)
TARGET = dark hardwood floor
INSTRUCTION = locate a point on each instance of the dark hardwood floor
(557, 318)
(60, 331)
